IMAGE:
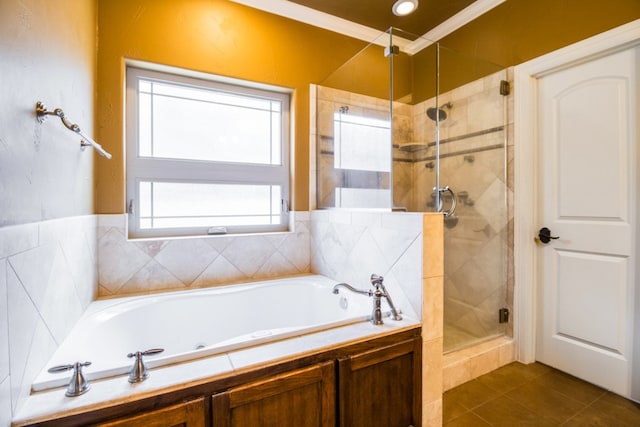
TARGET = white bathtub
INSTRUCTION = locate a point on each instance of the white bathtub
(203, 322)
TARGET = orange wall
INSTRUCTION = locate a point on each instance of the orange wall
(512, 33)
(222, 37)
(215, 36)
(520, 30)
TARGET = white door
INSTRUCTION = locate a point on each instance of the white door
(587, 189)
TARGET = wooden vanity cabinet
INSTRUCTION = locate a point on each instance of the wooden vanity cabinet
(381, 387)
(375, 383)
(188, 414)
(378, 387)
(302, 398)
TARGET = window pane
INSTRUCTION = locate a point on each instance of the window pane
(144, 86)
(145, 143)
(177, 204)
(179, 133)
(362, 198)
(145, 194)
(203, 124)
(362, 143)
(276, 135)
(210, 95)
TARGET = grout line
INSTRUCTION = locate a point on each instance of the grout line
(479, 416)
(583, 409)
(532, 380)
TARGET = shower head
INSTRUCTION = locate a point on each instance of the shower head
(431, 113)
(438, 113)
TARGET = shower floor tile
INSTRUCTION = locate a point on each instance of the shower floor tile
(535, 395)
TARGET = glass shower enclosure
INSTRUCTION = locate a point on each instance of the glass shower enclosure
(409, 125)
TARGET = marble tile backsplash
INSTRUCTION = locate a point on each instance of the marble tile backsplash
(349, 246)
(47, 279)
(145, 266)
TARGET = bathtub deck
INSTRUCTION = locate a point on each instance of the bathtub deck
(183, 379)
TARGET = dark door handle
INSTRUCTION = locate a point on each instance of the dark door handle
(545, 235)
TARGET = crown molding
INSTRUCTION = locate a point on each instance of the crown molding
(323, 20)
(316, 18)
(460, 19)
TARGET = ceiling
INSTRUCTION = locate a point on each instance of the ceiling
(377, 14)
(368, 19)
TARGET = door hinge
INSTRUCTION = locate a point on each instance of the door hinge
(285, 206)
(505, 87)
(503, 315)
(130, 207)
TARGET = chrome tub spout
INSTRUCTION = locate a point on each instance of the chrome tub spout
(336, 289)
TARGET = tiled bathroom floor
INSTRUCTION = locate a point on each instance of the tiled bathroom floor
(535, 395)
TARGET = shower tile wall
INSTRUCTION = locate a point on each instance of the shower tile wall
(145, 266)
(478, 246)
(404, 144)
(47, 279)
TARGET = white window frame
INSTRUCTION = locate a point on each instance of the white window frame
(201, 171)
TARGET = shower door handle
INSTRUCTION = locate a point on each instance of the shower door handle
(452, 209)
(544, 235)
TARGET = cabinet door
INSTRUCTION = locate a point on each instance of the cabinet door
(381, 387)
(188, 414)
(302, 398)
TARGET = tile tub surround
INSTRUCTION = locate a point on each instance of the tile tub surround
(432, 318)
(153, 265)
(47, 279)
(405, 248)
(350, 245)
(347, 244)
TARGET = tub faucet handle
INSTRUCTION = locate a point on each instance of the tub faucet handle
(78, 384)
(376, 280)
(139, 371)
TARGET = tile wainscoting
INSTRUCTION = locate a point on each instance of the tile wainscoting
(48, 276)
(152, 265)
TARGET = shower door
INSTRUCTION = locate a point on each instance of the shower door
(445, 114)
(471, 161)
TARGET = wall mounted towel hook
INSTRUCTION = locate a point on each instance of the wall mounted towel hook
(42, 113)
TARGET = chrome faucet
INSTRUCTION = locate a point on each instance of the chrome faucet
(377, 281)
(379, 293)
(78, 384)
(139, 371)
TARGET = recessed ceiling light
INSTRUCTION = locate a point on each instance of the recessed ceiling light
(404, 7)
